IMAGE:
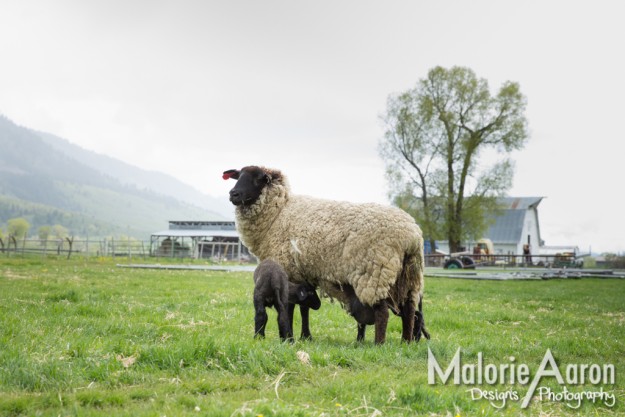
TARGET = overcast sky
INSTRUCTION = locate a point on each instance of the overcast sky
(193, 88)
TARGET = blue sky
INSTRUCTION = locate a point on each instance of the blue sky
(192, 88)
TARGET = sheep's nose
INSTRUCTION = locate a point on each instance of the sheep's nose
(235, 197)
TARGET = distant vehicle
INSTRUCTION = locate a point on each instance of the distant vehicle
(567, 260)
(481, 255)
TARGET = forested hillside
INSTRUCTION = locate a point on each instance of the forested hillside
(48, 181)
(141, 179)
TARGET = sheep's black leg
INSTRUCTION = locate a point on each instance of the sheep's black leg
(260, 319)
(361, 332)
(408, 321)
(380, 312)
(419, 324)
(304, 311)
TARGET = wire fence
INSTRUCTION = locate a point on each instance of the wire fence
(559, 260)
(70, 247)
(124, 248)
(220, 251)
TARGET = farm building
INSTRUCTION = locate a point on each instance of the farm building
(516, 226)
(199, 239)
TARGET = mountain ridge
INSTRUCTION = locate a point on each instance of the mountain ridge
(45, 178)
(142, 179)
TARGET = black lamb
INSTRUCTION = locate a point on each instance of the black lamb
(307, 298)
(272, 289)
(365, 315)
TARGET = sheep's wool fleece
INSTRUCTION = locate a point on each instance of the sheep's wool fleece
(326, 242)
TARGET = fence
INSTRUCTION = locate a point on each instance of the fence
(509, 260)
(129, 248)
(76, 247)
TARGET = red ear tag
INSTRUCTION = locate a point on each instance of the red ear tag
(230, 173)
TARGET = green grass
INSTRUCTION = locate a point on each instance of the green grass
(83, 337)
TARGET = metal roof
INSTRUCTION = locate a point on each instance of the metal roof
(519, 203)
(201, 225)
(196, 233)
(508, 226)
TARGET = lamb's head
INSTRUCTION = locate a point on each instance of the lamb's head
(251, 181)
(305, 295)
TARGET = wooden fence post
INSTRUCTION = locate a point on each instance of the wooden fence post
(71, 242)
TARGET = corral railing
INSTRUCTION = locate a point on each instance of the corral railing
(128, 248)
(76, 247)
(508, 260)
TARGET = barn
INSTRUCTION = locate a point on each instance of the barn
(513, 227)
(216, 240)
(516, 226)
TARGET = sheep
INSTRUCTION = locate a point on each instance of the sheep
(364, 315)
(378, 250)
(271, 288)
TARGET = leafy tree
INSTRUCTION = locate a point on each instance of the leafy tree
(44, 232)
(59, 231)
(614, 260)
(18, 227)
(434, 135)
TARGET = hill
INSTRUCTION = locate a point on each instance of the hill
(130, 175)
(49, 181)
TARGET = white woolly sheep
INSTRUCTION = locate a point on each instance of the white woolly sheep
(272, 289)
(378, 250)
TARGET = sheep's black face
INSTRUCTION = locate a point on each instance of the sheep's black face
(250, 184)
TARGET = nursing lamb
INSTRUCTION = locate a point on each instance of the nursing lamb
(272, 289)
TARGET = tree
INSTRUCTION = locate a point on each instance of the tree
(59, 231)
(44, 232)
(18, 227)
(434, 136)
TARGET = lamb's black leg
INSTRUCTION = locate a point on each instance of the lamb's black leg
(408, 321)
(283, 323)
(291, 311)
(361, 332)
(260, 319)
(419, 324)
(380, 311)
(304, 311)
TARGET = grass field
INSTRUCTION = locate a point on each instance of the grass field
(86, 338)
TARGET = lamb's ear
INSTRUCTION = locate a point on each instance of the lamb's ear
(302, 294)
(231, 173)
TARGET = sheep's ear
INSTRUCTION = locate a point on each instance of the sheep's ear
(231, 173)
(302, 294)
(273, 175)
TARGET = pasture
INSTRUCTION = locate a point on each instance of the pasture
(86, 338)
